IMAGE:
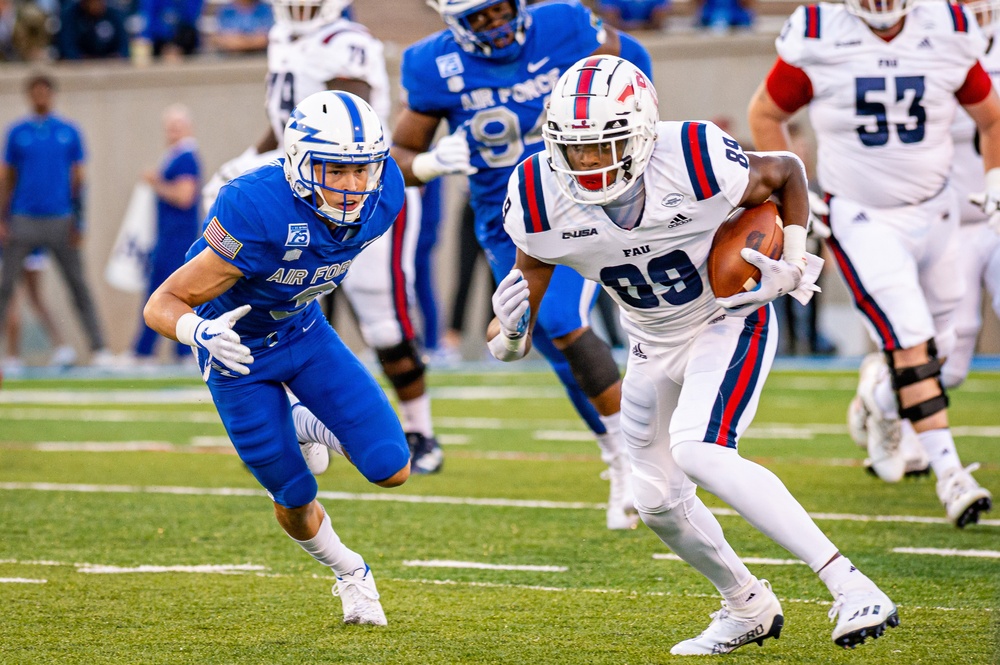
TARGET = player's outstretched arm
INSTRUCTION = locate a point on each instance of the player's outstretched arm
(768, 121)
(515, 303)
(170, 310)
(412, 137)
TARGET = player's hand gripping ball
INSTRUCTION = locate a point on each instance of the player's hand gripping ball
(758, 228)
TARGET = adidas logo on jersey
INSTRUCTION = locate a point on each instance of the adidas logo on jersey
(853, 42)
(925, 43)
(679, 220)
(860, 218)
(579, 233)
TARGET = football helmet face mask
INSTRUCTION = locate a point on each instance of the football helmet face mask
(305, 15)
(457, 14)
(600, 128)
(880, 14)
(335, 152)
(987, 13)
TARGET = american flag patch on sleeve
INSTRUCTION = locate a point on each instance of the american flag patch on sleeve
(221, 241)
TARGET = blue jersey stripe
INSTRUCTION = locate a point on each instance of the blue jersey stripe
(694, 144)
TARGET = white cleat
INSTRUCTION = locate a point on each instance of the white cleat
(730, 629)
(962, 496)
(317, 456)
(63, 356)
(915, 460)
(883, 434)
(857, 422)
(360, 598)
(861, 611)
(621, 512)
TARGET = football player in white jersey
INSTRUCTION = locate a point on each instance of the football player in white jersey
(883, 81)
(634, 204)
(312, 48)
(982, 264)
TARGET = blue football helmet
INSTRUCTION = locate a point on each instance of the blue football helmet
(456, 15)
(328, 131)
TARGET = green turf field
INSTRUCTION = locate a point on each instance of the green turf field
(132, 534)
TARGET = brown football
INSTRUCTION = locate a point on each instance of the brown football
(758, 228)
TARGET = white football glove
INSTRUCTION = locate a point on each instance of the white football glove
(217, 337)
(450, 156)
(989, 201)
(510, 304)
(818, 209)
(776, 279)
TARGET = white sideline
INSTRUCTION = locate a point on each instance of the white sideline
(444, 563)
(982, 554)
(447, 500)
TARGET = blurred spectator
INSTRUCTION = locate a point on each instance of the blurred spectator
(171, 26)
(64, 355)
(242, 27)
(721, 15)
(91, 29)
(176, 183)
(634, 14)
(41, 184)
(23, 31)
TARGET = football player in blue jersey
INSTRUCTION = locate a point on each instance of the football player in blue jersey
(489, 76)
(278, 237)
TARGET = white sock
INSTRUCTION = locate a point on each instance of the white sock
(840, 573)
(327, 548)
(745, 595)
(309, 428)
(940, 448)
(416, 415)
(758, 496)
(610, 442)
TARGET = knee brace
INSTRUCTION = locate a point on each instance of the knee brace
(592, 364)
(907, 376)
(405, 350)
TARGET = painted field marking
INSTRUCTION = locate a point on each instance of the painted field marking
(981, 554)
(745, 559)
(20, 580)
(206, 568)
(104, 446)
(443, 563)
(445, 500)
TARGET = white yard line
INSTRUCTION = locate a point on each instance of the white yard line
(745, 559)
(20, 580)
(980, 554)
(444, 500)
(222, 570)
(440, 563)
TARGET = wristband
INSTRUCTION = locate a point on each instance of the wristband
(794, 251)
(506, 348)
(424, 167)
(186, 327)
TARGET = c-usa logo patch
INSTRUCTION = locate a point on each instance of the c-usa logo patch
(298, 235)
(672, 200)
(449, 64)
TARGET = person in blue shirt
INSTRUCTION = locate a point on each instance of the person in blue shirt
(489, 76)
(171, 26)
(41, 183)
(276, 239)
(91, 29)
(176, 184)
(242, 27)
(634, 14)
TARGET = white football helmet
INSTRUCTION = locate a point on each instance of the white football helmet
(334, 127)
(987, 13)
(456, 16)
(880, 14)
(607, 103)
(305, 15)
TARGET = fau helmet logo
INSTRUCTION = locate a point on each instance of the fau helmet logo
(582, 124)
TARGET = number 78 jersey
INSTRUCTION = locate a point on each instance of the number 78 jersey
(882, 111)
(656, 271)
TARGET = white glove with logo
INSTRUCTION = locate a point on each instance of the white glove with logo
(818, 209)
(989, 201)
(450, 156)
(217, 337)
(510, 304)
(776, 279)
